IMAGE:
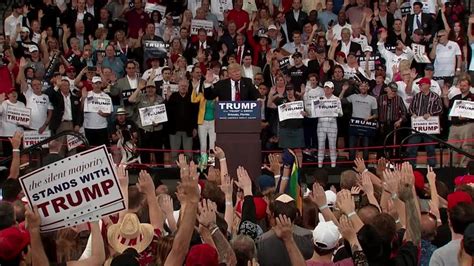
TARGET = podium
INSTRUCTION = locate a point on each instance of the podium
(238, 133)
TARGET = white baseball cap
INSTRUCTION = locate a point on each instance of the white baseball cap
(96, 79)
(33, 48)
(272, 27)
(368, 48)
(329, 84)
(326, 235)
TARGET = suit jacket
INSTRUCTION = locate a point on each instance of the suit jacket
(57, 101)
(354, 48)
(211, 47)
(255, 70)
(294, 24)
(428, 24)
(390, 20)
(223, 90)
(247, 50)
(122, 90)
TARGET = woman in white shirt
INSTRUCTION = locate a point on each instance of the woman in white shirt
(8, 129)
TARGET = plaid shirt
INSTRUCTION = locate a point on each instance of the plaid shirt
(426, 104)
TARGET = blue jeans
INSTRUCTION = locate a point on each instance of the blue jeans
(353, 142)
(430, 150)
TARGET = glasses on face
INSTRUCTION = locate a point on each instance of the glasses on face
(439, 36)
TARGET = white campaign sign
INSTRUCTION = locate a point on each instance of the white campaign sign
(463, 109)
(149, 8)
(327, 108)
(153, 115)
(96, 103)
(428, 126)
(31, 137)
(73, 142)
(77, 189)
(196, 24)
(18, 115)
(290, 110)
(171, 87)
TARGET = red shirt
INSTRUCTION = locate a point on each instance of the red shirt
(6, 78)
(239, 17)
(136, 21)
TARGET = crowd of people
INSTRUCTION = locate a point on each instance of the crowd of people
(382, 63)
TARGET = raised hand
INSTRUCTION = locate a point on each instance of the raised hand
(346, 228)
(345, 201)
(318, 196)
(244, 182)
(359, 165)
(207, 213)
(187, 189)
(405, 189)
(367, 185)
(227, 186)
(166, 204)
(145, 183)
(16, 139)
(219, 153)
(122, 174)
(431, 176)
(391, 181)
(32, 218)
(275, 165)
(283, 228)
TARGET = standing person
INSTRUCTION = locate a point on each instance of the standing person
(95, 124)
(150, 136)
(462, 128)
(391, 114)
(8, 129)
(41, 108)
(236, 88)
(425, 103)
(290, 132)
(182, 120)
(364, 107)
(67, 113)
(447, 58)
(137, 19)
(312, 92)
(327, 128)
(125, 86)
(205, 120)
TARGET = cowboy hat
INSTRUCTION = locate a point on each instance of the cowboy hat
(130, 233)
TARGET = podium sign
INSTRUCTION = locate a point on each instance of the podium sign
(238, 133)
(238, 110)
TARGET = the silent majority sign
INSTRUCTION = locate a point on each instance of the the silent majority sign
(81, 188)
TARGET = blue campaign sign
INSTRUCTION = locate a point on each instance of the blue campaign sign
(245, 110)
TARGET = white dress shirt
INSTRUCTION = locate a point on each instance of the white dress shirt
(67, 116)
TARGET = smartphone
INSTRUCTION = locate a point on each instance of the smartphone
(211, 159)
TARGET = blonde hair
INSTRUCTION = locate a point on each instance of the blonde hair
(233, 67)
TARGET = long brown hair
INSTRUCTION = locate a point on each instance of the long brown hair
(163, 249)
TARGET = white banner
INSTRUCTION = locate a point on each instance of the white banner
(18, 115)
(171, 87)
(196, 24)
(428, 126)
(75, 190)
(327, 108)
(149, 8)
(96, 103)
(31, 137)
(153, 115)
(73, 142)
(463, 109)
(290, 110)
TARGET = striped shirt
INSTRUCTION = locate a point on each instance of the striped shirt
(426, 104)
(391, 110)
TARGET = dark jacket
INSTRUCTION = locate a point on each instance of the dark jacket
(223, 88)
(182, 114)
(57, 100)
(428, 24)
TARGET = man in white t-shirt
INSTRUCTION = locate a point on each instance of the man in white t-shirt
(393, 59)
(41, 108)
(429, 68)
(447, 57)
(97, 106)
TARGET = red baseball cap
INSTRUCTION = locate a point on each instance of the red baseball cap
(419, 180)
(70, 69)
(260, 207)
(464, 180)
(424, 81)
(342, 54)
(12, 241)
(458, 197)
(202, 254)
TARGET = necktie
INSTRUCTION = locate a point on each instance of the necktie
(237, 90)
(418, 21)
(202, 46)
(239, 54)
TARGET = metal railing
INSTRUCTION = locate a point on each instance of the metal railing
(38, 146)
(440, 142)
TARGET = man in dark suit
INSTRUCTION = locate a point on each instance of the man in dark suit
(67, 113)
(241, 48)
(204, 44)
(419, 20)
(236, 88)
(161, 85)
(346, 41)
(296, 18)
